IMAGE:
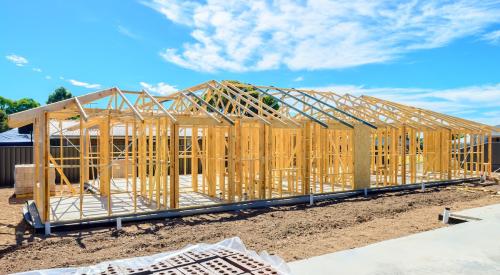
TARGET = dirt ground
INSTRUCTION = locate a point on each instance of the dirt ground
(291, 232)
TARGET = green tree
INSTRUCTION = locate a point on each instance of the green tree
(14, 106)
(3, 121)
(5, 103)
(22, 104)
(59, 94)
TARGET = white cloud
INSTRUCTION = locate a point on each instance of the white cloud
(61, 78)
(493, 37)
(160, 88)
(479, 103)
(127, 32)
(17, 59)
(176, 11)
(316, 34)
(84, 84)
(38, 70)
(48, 77)
(298, 79)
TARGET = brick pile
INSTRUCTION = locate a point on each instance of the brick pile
(25, 177)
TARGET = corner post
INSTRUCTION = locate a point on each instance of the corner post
(43, 144)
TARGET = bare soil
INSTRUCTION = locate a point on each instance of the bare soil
(291, 232)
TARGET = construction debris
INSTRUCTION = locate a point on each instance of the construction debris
(228, 257)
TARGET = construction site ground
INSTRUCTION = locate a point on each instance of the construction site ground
(293, 233)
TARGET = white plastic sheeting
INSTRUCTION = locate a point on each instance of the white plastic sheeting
(235, 244)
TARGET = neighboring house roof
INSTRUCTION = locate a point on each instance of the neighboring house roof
(496, 134)
(71, 130)
(12, 137)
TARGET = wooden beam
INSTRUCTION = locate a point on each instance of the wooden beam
(26, 117)
(211, 108)
(104, 155)
(61, 174)
(236, 103)
(403, 155)
(307, 140)
(232, 163)
(194, 158)
(174, 165)
(83, 114)
(162, 108)
(490, 153)
(294, 108)
(200, 108)
(262, 162)
(130, 105)
(43, 144)
(135, 165)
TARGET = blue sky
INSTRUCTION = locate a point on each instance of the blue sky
(440, 55)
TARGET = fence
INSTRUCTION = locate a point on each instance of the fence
(9, 157)
(12, 155)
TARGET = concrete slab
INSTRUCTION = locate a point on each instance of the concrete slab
(490, 212)
(65, 208)
(467, 248)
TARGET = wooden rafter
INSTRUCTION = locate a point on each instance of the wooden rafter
(237, 147)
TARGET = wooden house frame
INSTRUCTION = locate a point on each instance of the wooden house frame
(240, 148)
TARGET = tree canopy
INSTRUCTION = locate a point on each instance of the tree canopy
(22, 104)
(3, 121)
(4, 103)
(8, 106)
(59, 94)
